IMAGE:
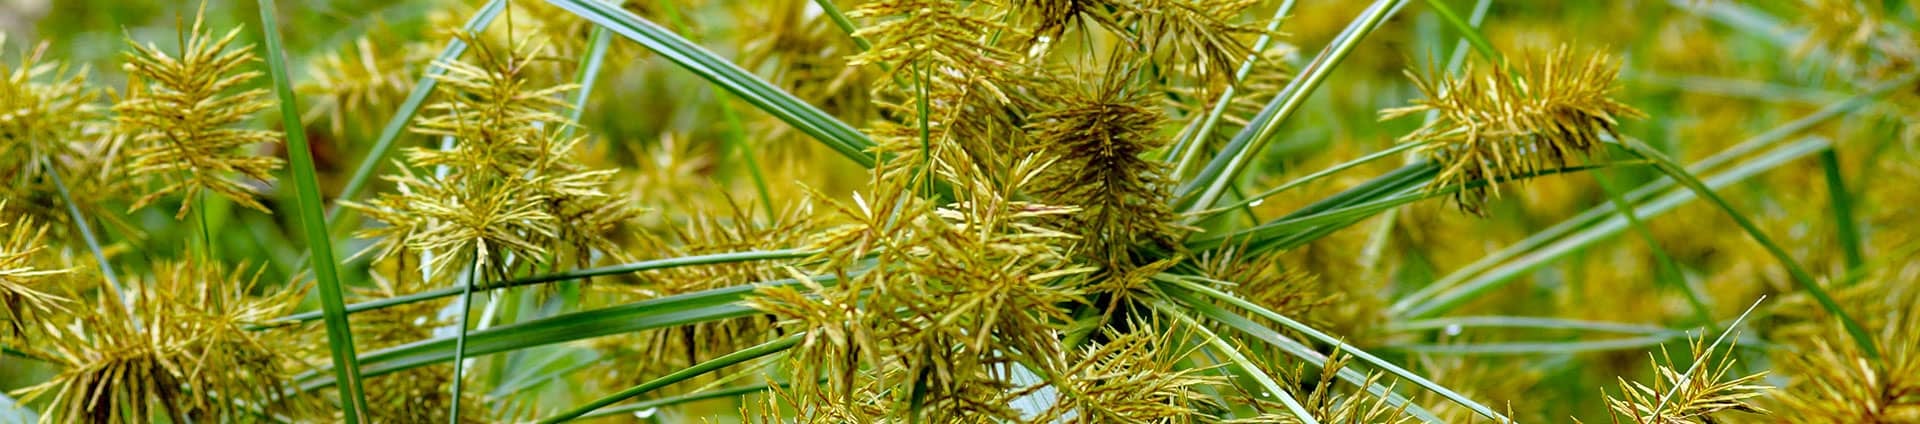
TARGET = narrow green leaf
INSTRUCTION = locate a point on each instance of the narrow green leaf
(460, 335)
(696, 370)
(846, 25)
(382, 146)
(1842, 204)
(1286, 344)
(718, 258)
(1192, 138)
(313, 220)
(597, 46)
(1468, 31)
(1223, 169)
(1541, 252)
(1540, 348)
(1667, 271)
(1270, 387)
(1368, 358)
(1283, 232)
(1250, 200)
(683, 309)
(676, 400)
(1535, 323)
(86, 234)
(1535, 242)
(1800, 275)
(808, 119)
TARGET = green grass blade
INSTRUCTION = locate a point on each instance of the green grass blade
(383, 146)
(86, 234)
(718, 258)
(846, 25)
(1306, 354)
(1584, 234)
(1588, 218)
(1249, 200)
(1178, 284)
(736, 131)
(314, 222)
(1540, 348)
(740, 356)
(677, 310)
(808, 119)
(1284, 232)
(1223, 169)
(1841, 201)
(1191, 141)
(1667, 271)
(1533, 323)
(1799, 274)
(1272, 388)
(460, 336)
(676, 400)
(590, 66)
(1468, 30)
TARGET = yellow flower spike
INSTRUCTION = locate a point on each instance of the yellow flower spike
(41, 111)
(1502, 124)
(22, 280)
(182, 115)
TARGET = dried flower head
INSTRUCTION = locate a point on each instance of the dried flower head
(1512, 122)
(182, 113)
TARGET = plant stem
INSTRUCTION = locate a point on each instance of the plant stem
(314, 222)
(1842, 203)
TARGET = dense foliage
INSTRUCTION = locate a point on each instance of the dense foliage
(1049, 211)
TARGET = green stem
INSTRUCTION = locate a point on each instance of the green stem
(1189, 145)
(1799, 274)
(1223, 169)
(460, 341)
(743, 355)
(86, 234)
(1842, 202)
(1666, 270)
(314, 223)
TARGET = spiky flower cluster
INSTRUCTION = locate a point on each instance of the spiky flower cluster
(1507, 123)
(1835, 382)
(23, 282)
(505, 190)
(181, 348)
(42, 112)
(977, 288)
(1100, 131)
(1695, 394)
(182, 113)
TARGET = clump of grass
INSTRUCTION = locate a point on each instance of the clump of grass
(1027, 237)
